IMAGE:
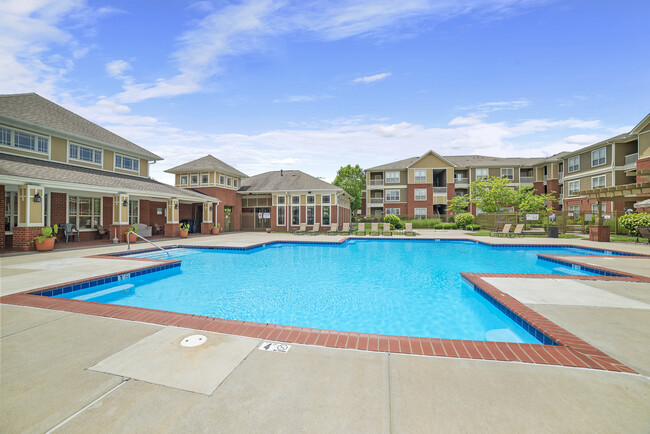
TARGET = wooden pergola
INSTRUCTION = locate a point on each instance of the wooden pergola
(618, 193)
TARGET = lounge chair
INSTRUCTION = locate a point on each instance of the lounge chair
(374, 228)
(504, 231)
(643, 232)
(333, 230)
(301, 230)
(361, 229)
(346, 229)
(103, 231)
(518, 231)
(315, 229)
(408, 229)
(70, 230)
(386, 230)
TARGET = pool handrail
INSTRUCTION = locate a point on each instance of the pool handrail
(140, 236)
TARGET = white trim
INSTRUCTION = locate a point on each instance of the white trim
(508, 168)
(598, 177)
(201, 175)
(604, 148)
(587, 174)
(277, 215)
(197, 179)
(122, 156)
(392, 200)
(12, 141)
(322, 208)
(386, 181)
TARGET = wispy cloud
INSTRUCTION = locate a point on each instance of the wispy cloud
(372, 78)
(301, 98)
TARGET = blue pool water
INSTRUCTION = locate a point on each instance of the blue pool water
(409, 288)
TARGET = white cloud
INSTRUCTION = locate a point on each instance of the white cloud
(488, 107)
(116, 68)
(301, 98)
(372, 78)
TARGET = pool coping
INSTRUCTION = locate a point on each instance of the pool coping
(569, 350)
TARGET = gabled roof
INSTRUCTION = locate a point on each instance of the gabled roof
(395, 165)
(435, 155)
(621, 138)
(641, 125)
(34, 109)
(207, 163)
(484, 161)
(284, 180)
(42, 171)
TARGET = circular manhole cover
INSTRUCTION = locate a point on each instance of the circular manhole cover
(193, 341)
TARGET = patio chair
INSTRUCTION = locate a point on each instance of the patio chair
(70, 230)
(346, 229)
(643, 232)
(103, 231)
(158, 229)
(386, 230)
(408, 229)
(518, 230)
(374, 228)
(333, 230)
(301, 230)
(315, 229)
(361, 229)
(504, 231)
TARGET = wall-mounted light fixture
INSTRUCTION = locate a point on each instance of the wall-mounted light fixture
(37, 197)
(175, 206)
(210, 207)
(125, 203)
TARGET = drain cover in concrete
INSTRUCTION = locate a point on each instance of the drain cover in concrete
(159, 359)
(193, 341)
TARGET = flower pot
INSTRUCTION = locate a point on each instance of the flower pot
(184, 234)
(132, 238)
(215, 231)
(46, 245)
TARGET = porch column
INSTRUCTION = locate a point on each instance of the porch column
(31, 216)
(207, 217)
(120, 217)
(172, 226)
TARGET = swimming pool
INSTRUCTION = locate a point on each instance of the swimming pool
(390, 287)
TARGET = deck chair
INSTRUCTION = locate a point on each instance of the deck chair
(504, 231)
(301, 230)
(70, 230)
(374, 228)
(333, 230)
(315, 230)
(361, 230)
(518, 230)
(643, 232)
(158, 229)
(408, 229)
(103, 231)
(346, 229)
(386, 230)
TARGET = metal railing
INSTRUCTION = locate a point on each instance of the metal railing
(631, 159)
(439, 190)
(525, 179)
(461, 181)
(376, 200)
(128, 243)
(376, 182)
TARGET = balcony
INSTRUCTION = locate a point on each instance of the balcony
(439, 190)
(630, 160)
(377, 200)
(525, 179)
(561, 177)
(462, 181)
(376, 182)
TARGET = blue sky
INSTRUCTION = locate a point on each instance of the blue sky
(314, 85)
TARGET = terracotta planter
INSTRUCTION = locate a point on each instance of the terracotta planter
(132, 238)
(215, 231)
(184, 234)
(46, 245)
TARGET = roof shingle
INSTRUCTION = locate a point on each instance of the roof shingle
(206, 163)
(284, 180)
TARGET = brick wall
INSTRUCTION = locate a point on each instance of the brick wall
(154, 218)
(205, 228)
(412, 203)
(172, 229)
(58, 208)
(643, 164)
(121, 232)
(23, 236)
(145, 212)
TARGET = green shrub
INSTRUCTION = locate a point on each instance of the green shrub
(395, 222)
(472, 227)
(464, 219)
(425, 223)
(633, 221)
(438, 226)
(448, 226)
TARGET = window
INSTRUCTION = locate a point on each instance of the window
(574, 164)
(392, 177)
(311, 200)
(84, 153)
(229, 181)
(420, 213)
(393, 211)
(420, 176)
(222, 179)
(509, 173)
(325, 215)
(594, 208)
(295, 216)
(281, 217)
(281, 200)
(574, 187)
(205, 178)
(84, 212)
(326, 199)
(235, 182)
(574, 208)
(598, 181)
(295, 200)
(128, 163)
(11, 211)
(310, 214)
(598, 157)
(194, 179)
(392, 195)
(420, 194)
(184, 180)
(23, 140)
(482, 173)
(134, 212)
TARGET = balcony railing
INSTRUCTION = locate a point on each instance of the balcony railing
(525, 179)
(439, 190)
(561, 177)
(461, 181)
(379, 200)
(376, 182)
(630, 160)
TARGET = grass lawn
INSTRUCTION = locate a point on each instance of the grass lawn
(486, 233)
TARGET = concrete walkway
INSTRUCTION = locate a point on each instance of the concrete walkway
(82, 373)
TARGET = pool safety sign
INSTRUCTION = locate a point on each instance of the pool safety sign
(275, 347)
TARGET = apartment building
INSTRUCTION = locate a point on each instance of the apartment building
(57, 167)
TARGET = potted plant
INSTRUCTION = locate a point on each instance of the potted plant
(45, 242)
(185, 229)
(130, 232)
(215, 229)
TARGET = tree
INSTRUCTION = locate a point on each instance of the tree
(493, 195)
(353, 181)
(527, 201)
(459, 204)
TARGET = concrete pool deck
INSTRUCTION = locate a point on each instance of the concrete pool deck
(130, 376)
